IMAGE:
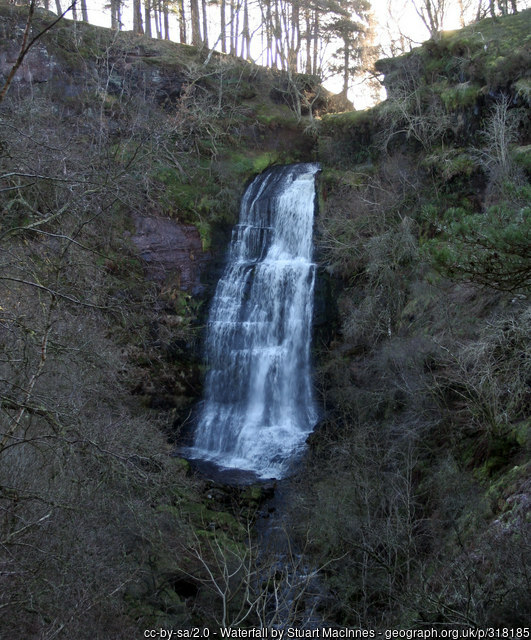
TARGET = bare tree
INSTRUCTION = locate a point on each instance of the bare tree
(432, 14)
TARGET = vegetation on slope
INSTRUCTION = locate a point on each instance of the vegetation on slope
(416, 492)
(102, 531)
(414, 496)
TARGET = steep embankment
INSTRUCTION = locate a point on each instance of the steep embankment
(122, 162)
(416, 493)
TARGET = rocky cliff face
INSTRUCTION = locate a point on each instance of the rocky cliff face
(171, 251)
(67, 58)
(183, 139)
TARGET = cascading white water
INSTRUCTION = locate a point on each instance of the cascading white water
(259, 406)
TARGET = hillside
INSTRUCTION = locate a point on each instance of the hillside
(123, 160)
(416, 494)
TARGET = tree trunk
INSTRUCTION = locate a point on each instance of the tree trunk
(58, 7)
(114, 15)
(461, 13)
(147, 17)
(157, 13)
(277, 33)
(294, 41)
(231, 30)
(269, 36)
(315, 40)
(236, 27)
(166, 12)
(222, 18)
(182, 19)
(137, 18)
(194, 16)
(308, 21)
(205, 22)
(84, 12)
(346, 70)
(246, 36)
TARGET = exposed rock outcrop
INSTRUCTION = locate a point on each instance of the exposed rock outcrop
(171, 251)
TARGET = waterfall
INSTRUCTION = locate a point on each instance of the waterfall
(258, 407)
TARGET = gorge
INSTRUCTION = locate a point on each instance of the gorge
(123, 161)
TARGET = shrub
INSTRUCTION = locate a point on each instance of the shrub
(490, 248)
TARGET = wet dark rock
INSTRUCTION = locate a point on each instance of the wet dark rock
(171, 250)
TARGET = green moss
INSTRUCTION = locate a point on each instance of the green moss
(251, 162)
(495, 46)
(252, 497)
(273, 115)
(460, 95)
(205, 231)
(182, 465)
(522, 157)
(522, 433)
(333, 122)
(202, 518)
(333, 178)
(186, 197)
(348, 138)
(503, 485)
(492, 53)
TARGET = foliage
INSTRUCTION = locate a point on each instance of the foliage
(414, 108)
(417, 481)
(461, 95)
(489, 248)
(83, 465)
(489, 51)
(487, 379)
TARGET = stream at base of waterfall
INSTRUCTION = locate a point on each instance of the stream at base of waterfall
(258, 407)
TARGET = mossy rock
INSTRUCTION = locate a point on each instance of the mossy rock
(182, 465)
(522, 88)
(506, 484)
(501, 451)
(460, 96)
(492, 53)
(253, 496)
(332, 178)
(248, 163)
(333, 122)
(204, 519)
(522, 433)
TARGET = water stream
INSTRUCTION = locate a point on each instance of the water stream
(259, 407)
